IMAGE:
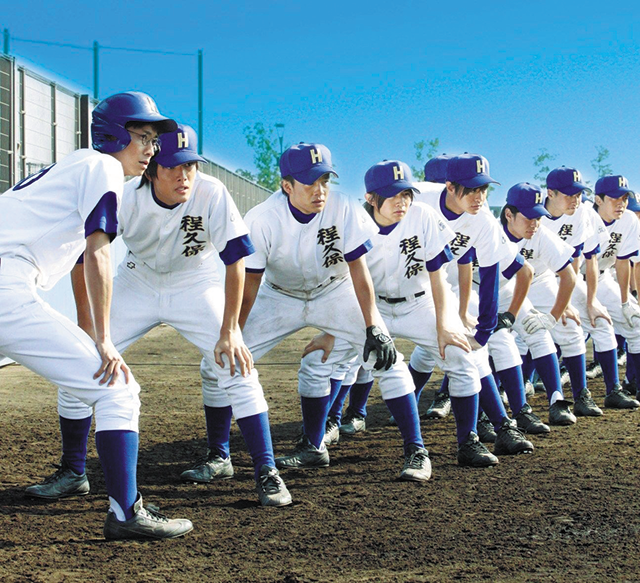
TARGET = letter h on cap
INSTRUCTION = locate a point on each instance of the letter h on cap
(480, 166)
(183, 140)
(622, 182)
(316, 156)
(398, 173)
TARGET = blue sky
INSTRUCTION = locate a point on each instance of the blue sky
(369, 79)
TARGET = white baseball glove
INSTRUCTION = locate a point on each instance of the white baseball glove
(538, 321)
(631, 311)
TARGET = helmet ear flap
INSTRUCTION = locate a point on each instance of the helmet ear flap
(108, 136)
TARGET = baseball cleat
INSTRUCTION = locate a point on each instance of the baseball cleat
(560, 414)
(271, 488)
(62, 484)
(210, 468)
(145, 523)
(618, 398)
(353, 423)
(305, 455)
(417, 465)
(594, 370)
(486, 433)
(585, 405)
(529, 422)
(440, 408)
(510, 440)
(472, 453)
(529, 389)
(332, 431)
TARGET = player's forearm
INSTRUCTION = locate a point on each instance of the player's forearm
(364, 291)
(233, 291)
(465, 282)
(565, 289)
(591, 278)
(83, 308)
(439, 297)
(636, 278)
(97, 275)
(623, 273)
(251, 286)
(521, 288)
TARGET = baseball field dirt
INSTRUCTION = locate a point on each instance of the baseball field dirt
(566, 513)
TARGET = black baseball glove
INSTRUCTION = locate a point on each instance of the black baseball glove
(505, 320)
(383, 346)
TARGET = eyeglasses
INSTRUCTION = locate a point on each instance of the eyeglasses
(145, 140)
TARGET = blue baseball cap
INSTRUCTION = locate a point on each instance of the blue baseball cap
(633, 204)
(528, 199)
(469, 170)
(178, 147)
(613, 186)
(567, 180)
(435, 170)
(388, 178)
(306, 162)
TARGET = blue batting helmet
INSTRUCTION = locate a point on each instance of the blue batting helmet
(112, 114)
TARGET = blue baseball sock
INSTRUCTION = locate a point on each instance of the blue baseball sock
(465, 411)
(622, 342)
(218, 427)
(549, 371)
(338, 396)
(513, 384)
(444, 385)
(314, 416)
(420, 379)
(405, 412)
(577, 367)
(118, 451)
(630, 373)
(635, 362)
(609, 363)
(528, 367)
(490, 401)
(359, 397)
(257, 435)
(75, 433)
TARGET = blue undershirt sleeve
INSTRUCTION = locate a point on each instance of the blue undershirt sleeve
(358, 251)
(516, 266)
(440, 259)
(237, 249)
(104, 217)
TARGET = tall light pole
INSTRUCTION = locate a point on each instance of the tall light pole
(280, 134)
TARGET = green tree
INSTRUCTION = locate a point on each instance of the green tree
(600, 163)
(425, 150)
(541, 163)
(266, 154)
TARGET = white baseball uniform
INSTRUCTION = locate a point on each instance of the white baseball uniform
(169, 275)
(41, 237)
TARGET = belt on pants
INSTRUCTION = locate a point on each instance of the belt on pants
(400, 300)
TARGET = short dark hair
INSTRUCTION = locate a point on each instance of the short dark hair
(152, 172)
(503, 212)
(464, 190)
(379, 200)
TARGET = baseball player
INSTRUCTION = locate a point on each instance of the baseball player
(46, 221)
(310, 247)
(572, 221)
(611, 194)
(173, 220)
(509, 439)
(461, 204)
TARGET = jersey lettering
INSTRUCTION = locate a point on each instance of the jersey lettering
(191, 225)
(459, 242)
(32, 178)
(611, 250)
(331, 255)
(527, 253)
(408, 247)
(565, 232)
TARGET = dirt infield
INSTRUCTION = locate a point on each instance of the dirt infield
(566, 513)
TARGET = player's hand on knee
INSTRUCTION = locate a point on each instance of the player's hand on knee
(631, 313)
(452, 338)
(473, 343)
(322, 341)
(377, 341)
(597, 310)
(538, 321)
(505, 321)
(112, 364)
(233, 347)
(570, 314)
